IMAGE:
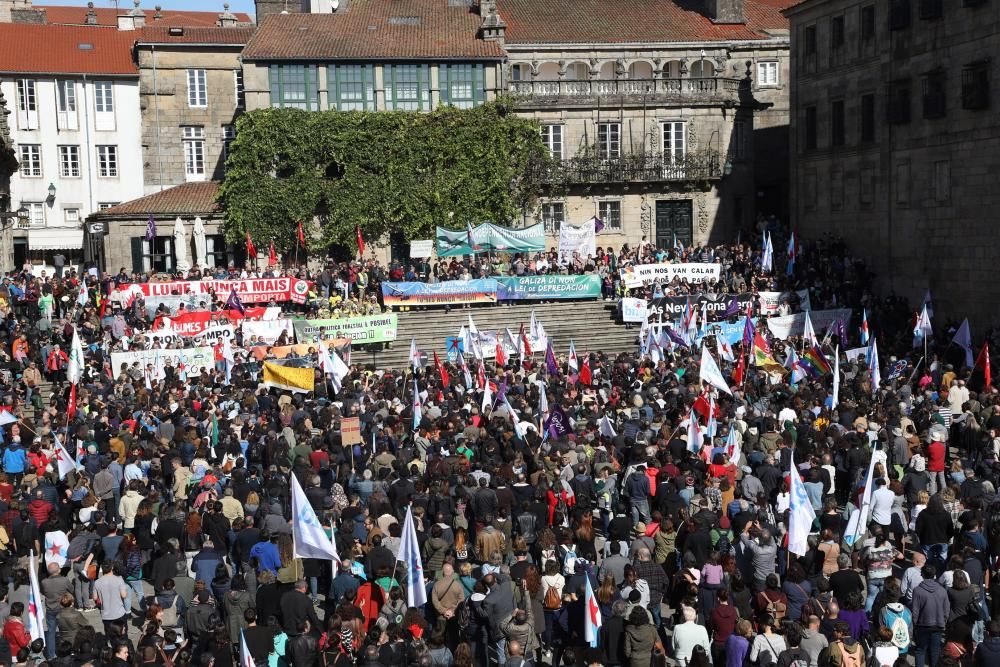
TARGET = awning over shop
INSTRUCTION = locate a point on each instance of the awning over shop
(55, 239)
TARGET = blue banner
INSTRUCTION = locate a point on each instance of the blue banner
(444, 293)
(731, 332)
(527, 288)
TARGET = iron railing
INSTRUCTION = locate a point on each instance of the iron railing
(693, 87)
(641, 168)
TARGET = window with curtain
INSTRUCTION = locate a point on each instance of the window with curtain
(352, 87)
(407, 87)
(462, 85)
(294, 86)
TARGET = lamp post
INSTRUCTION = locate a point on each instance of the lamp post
(7, 219)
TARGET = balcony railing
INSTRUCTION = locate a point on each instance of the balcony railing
(695, 87)
(633, 169)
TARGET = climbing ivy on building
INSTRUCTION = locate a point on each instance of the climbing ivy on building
(385, 171)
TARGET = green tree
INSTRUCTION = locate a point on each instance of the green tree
(385, 171)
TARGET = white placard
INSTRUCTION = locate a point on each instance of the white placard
(647, 274)
(422, 248)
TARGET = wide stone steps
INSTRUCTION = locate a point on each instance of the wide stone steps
(590, 324)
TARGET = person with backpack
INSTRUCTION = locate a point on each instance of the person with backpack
(843, 651)
(767, 645)
(637, 491)
(771, 602)
(794, 655)
(899, 620)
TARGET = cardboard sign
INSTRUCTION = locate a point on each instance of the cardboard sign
(350, 431)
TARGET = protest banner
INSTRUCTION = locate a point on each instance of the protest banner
(421, 249)
(454, 346)
(856, 353)
(255, 290)
(260, 352)
(769, 302)
(785, 327)
(581, 240)
(350, 431)
(449, 292)
(268, 332)
(647, 274)
(209, 336)
(490, 238)
(526, 288)
(715, 305)
(634, 310)
(194, 359)
(192, 323)
(288, 378)
(367, 329)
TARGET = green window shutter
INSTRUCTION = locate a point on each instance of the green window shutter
(478, 85)
(274, 71)
(137, 254)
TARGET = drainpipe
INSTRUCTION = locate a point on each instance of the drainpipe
(90, 149)
(156, 122)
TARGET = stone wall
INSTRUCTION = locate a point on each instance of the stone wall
(165, 109)
(918, 201)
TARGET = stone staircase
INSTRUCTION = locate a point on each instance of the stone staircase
(591, 325)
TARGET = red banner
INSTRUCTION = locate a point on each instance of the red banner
(192, 323)
(254, 290)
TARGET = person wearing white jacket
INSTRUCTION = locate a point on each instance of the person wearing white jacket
(129, 504)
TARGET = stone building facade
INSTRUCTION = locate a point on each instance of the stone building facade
(191, 88)
(8, 165)
(895, 141)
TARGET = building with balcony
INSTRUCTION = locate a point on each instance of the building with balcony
(653, 111)
(8, 165)
(896, 141)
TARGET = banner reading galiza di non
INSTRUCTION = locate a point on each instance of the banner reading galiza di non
(647, 274)
(440, 294)
(256, 290)
(368, 329)
(194, 359)
(549, 287)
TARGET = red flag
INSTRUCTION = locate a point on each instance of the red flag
(441, 370)
(104, 307)
(301, 235)
(501, 357)
(984, 359)
(585, 376)
(701, 406)
(272, 256)
(525, 343)
(361, 239)
(481, 376)
(71, 408)
(251, 250)
(740, 370)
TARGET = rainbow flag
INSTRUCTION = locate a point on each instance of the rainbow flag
(763, 359)
(816, 361)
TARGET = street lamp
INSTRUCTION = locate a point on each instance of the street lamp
(52, 191)
(8, 218)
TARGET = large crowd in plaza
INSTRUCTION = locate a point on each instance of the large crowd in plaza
(658, 518)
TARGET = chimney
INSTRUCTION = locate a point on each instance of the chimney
(226, 18)
(267, 7)
(91, 15)
(159, 13)
(493, 27)
(725, 11)
(135, 19)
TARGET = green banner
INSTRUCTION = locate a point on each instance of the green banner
(549, 287)
(490, 238)
(361, 330)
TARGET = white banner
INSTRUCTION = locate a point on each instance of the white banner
(266, 333)
(421, 248)
(647, 274)
(785, 327)
(193, 358)
(770, 301)
(488, 344)
(856, 353)
(634, 310)
(210, 336)
(581, 240)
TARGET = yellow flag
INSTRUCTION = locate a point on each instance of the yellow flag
(288, 377)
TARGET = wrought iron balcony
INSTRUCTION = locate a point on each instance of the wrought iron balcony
(640, 168)
(705, 89)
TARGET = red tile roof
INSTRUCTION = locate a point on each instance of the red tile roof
(374, 29)
(109, 15)
(109, 51)
(236, 35)
(184, 199)
(624, 21)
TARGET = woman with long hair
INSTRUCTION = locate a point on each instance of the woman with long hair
(461, 547)
(583, 537)
(129, 566)
(143, 529)
(291, 569)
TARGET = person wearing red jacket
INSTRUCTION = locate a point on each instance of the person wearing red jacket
(936, 451)
(14, 631)
(55, 365)
(39, 508)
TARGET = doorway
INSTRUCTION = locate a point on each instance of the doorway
(674, 220)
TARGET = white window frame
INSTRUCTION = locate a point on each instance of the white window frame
(768, 74)
(552, 141)
(228, 137)
(27, 104)
(105, 205)
(71, 215)
(550, 221)
(30, 160)
(104, 97)
(604, 209)
(69, 161)
(36, 213)
(193, 137)
(609, 140)
(239, 88)
(107, 161)
(197, 88)
(673, 141)
(66, 96)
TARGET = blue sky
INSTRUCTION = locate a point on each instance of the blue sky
(201, 5)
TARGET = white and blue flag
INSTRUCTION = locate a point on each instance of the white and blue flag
(309, 539)
(801, 513)
(409, 555)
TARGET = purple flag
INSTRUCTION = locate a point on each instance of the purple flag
(598, 225)
(675, 337)
(733, 308)
(550, 360)
(557, 424)
(150, 228)
(748, 332)
(501, 392)
(234, 303)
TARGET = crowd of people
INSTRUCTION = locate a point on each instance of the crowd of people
(174, 530)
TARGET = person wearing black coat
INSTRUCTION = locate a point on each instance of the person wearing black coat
(297, 608)
(612, 640)
(302, 649)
